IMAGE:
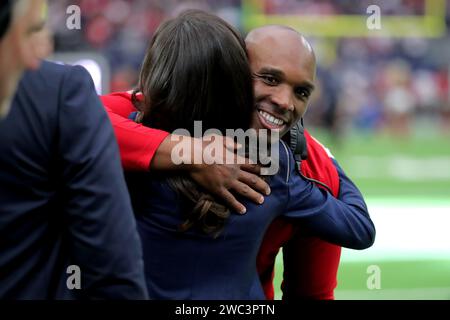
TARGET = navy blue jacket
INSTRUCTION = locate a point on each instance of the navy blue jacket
(193, 265)
(63, 198)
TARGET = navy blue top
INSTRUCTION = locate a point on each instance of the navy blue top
(193, 265)
(63, 198)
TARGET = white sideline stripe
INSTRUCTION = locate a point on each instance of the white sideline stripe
(400, 167)
(398, 294)
(406, 232)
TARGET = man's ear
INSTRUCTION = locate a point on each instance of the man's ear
(5, 16)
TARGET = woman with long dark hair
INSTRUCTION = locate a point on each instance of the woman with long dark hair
(196, 69)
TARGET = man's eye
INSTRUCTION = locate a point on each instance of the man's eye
(302, 94)
(270, 80)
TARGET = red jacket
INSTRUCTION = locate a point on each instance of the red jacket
(310, 266)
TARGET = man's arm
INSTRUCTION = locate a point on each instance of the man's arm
(102, 233)
(343, 221)
(144, 148)
(139, 145)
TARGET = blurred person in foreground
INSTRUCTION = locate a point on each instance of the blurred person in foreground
(282, 90)
(20, 21)
(66, 224)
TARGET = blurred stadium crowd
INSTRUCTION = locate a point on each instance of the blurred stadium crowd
(368, 84)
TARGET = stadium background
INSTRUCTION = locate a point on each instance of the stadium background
(382, 107)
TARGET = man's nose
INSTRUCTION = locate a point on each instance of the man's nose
(282, 97)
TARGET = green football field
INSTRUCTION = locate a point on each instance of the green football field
(406, 183)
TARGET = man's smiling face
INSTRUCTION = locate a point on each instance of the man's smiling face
(283, 66)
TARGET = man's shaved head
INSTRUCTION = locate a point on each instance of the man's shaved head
(280, 33)
(283, 64)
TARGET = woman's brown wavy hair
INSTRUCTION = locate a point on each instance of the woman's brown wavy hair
(196, 69)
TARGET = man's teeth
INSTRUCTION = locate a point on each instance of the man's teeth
(271, 119)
